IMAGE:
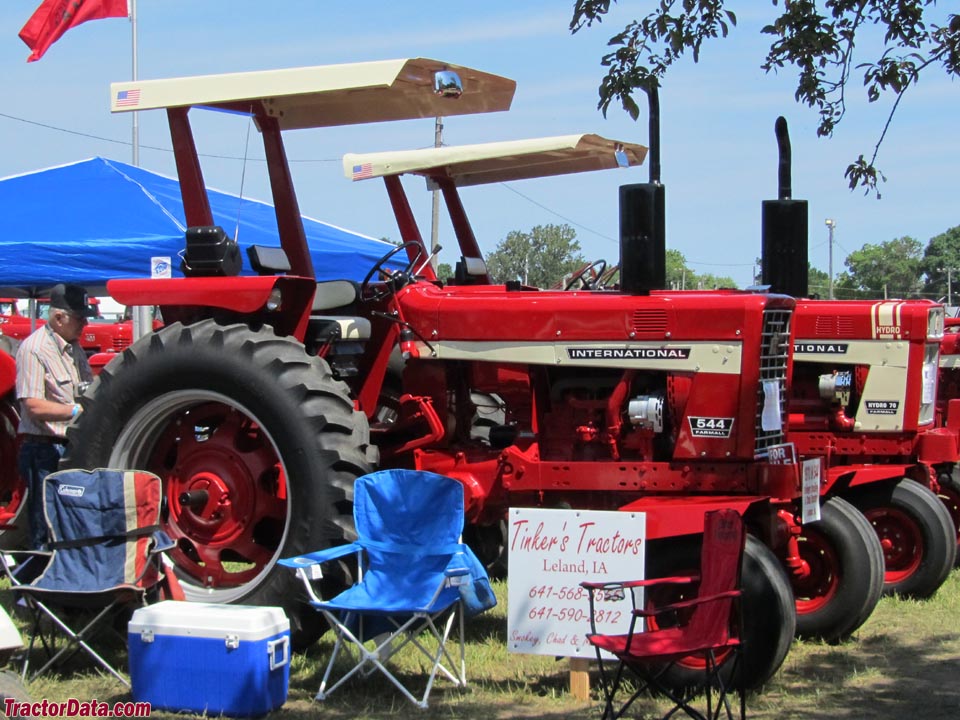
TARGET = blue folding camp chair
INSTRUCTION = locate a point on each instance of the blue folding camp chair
(105, 544)
(415, 578)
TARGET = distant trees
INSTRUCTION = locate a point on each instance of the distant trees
(941, 263)
(539, 257)
(898, 268)
(681, 277)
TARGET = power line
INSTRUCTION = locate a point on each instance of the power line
(554, 212)
(148, 147)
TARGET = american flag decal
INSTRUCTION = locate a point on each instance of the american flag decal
(127, 98)
(360, 172)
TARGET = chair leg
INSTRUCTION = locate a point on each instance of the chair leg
(404, 633)
(75, 641)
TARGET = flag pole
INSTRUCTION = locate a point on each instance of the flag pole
(141, 315)
(136, 114)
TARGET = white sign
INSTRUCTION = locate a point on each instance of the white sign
(160, 267)
(551, 553)
(810, 502)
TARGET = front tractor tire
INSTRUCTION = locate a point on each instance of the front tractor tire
(258, 447)
(916, 533)
(840, 579)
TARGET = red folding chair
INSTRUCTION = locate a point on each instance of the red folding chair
(698, 630)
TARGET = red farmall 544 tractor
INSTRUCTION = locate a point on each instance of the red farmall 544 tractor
(835, 565)
(264, 397)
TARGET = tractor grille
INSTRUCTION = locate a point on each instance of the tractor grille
(774, 355)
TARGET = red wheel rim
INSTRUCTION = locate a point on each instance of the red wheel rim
(230, 532)
(901, 540)
(815, 586)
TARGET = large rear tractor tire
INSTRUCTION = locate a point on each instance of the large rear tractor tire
(258, 446)
(768, 611)
(13, 490)
(841, 579)
(916, 534)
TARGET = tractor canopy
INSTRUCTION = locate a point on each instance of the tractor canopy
(329, 95)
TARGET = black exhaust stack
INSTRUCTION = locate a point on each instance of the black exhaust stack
(643, 244)
(784, 259)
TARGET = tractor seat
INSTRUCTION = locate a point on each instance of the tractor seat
(333, 313)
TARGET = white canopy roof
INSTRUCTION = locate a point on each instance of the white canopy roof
(325, 95)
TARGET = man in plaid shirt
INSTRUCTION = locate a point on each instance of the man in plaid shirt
(52, 369)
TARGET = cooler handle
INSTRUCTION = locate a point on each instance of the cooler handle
(272, 645)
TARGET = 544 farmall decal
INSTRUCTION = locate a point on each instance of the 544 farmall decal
(715, 427)
(885, 320)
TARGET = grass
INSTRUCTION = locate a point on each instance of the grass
(904, 662)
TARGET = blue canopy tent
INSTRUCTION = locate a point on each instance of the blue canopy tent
(98, 219)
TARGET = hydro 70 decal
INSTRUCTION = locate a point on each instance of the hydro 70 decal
(882, 407)
(715, 427)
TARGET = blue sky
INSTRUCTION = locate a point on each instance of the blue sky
(719, 151)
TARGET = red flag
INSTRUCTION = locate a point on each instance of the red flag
(54, 17)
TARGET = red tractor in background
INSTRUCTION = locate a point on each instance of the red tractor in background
(99, 336)
(863, 397)
(264, 397)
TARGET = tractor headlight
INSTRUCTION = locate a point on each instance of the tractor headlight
(275, 300)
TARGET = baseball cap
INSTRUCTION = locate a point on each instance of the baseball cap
(71, 297)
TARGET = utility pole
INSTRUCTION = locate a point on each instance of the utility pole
(949, 272)
(434, 228)
(831, 224)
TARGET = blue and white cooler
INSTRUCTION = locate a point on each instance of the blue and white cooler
(210, 658)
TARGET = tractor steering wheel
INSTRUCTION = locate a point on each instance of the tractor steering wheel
(393, 281)
(600, 265)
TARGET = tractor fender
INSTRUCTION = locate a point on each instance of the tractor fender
(242, 295)
(8, 373)
(938, 446)
(98, 361)
(673, 516)
(856, 476)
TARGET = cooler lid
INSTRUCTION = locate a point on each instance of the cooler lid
(209, 620)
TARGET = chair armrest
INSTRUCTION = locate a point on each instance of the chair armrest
(627, 584)
(682, 604)
(321, 556)
(457, 572)
(161, 543)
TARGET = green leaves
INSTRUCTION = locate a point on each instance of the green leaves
(818, 40)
